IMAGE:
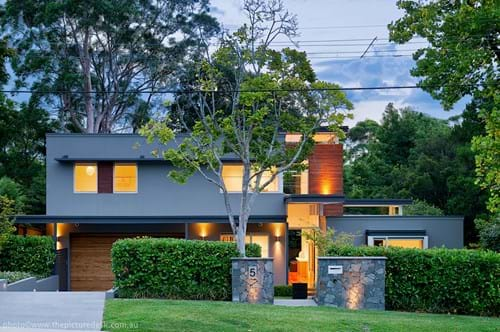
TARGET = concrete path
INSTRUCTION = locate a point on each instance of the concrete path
(25, 311)
(295, 303)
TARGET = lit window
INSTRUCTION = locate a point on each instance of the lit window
(233, 179)
(261, 240)
(419, 242)
(85, 178)
(271, 187)
(125, 178)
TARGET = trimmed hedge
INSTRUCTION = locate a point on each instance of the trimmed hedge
(283, 291)
(441, 280)
(32, 254)
(13, 276)
(174, 268)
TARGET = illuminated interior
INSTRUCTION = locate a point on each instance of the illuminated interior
(322, 138)
(399, 242)
(125, 178)
(85, 178)
(260, 239)
(233, 179)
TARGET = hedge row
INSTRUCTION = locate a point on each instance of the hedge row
(32, 254)
(437, 280)
(283, 291)
(173, 268)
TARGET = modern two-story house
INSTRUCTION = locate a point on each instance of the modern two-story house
(104, 187)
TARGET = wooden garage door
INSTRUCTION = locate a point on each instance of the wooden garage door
(91, 260)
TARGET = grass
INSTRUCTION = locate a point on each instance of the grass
(168, 315)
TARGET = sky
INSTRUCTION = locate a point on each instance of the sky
(339, 60)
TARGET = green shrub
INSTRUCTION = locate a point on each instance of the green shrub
(173, 268)
(253, 250)
(33, 254)
(458, 281)
(489, 234)
(13, 276)
(283, 291)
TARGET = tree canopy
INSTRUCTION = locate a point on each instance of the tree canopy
(412, 155)
(461, 60)
(95, 62)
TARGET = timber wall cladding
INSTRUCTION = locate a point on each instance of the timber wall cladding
(333, 210)
(325, 170)
(105, 177)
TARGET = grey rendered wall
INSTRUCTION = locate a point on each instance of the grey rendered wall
(442, 231)
(157, 195)
(277, 249)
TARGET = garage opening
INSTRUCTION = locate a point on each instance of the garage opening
(90, 256)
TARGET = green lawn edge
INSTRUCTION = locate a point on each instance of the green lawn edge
(174, 315)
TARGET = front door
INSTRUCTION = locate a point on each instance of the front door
(302, 259)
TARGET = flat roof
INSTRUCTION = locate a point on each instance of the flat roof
(49, 219)
(314, 198)
(376, 201)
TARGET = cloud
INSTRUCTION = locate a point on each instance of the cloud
(367, 19)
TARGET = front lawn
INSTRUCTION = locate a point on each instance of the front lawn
(167, 315)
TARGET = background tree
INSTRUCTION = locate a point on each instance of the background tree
(250, 110)
(96, 61)
(462, 59)
(6, 223)
(412, 155)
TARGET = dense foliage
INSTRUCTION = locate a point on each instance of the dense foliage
(461, 60)
(176, 269)
(6, 224)
(283, 291)
(412, 155)
(13, 276)
(33, 254)
(456, 281)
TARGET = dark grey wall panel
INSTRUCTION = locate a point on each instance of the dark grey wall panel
(442, 231)
(157, 195)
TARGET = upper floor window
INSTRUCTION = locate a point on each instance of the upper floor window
(105, 177)
(125, 178)
(233, 179)
(85, 178)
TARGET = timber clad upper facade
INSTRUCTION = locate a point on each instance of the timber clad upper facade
(104, 187)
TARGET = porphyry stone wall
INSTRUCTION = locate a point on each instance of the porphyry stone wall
(253, 280)
(360, 284)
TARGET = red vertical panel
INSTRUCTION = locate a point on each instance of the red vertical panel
(105, 177)
(336, 210)
(326, 166)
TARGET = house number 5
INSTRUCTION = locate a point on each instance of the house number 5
(252, 271)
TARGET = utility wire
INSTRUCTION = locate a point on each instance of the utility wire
(180, 91)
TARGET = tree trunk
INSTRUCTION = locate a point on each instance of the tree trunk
(87, 84)
(240, 238)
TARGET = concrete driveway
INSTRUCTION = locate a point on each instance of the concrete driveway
(51, 310)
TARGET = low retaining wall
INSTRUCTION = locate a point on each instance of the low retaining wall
(31, 284)
(253, 280)
(351, 282)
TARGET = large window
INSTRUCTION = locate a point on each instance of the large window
(261, 239)
(233, 179)
(85, 178)
(105, 177)
(125, 178)
(420, 242)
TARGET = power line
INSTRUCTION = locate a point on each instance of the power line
(180, 91)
